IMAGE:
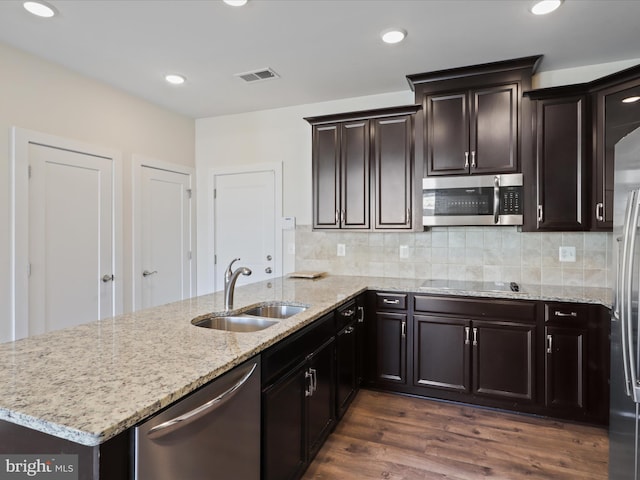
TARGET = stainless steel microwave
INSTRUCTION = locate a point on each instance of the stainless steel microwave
(472, 200)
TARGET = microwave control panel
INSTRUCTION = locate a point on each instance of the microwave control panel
(510, 200)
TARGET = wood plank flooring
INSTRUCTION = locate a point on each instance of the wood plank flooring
(387, 436)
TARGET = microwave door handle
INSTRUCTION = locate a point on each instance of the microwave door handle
(496, 199)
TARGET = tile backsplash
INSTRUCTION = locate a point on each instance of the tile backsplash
(461, 253)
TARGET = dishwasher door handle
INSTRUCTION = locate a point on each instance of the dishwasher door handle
(186, 418)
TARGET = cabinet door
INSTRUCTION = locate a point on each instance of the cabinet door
(503, 359)
(320, 412)
(283, 446)
(346, 367)
(354, 212)
(565, 368)
(326, 176)
(494, 129)
(391, 347)
(561, 174)
(393, 160)
(441, 353)
(447, 134)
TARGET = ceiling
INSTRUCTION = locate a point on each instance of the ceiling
(322, 49)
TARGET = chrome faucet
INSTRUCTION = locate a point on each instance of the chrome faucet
(230, 278)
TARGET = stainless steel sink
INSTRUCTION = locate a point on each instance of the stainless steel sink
(256, 318)
(233, 323)
(278, 310)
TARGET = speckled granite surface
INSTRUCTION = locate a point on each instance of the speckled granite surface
(88, 383)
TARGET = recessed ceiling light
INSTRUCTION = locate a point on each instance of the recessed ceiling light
(40, 9)
(630, 100)
(394, 35)
(174, 79)
(545, 6)
(235, 3)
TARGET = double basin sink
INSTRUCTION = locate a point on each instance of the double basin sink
(256, 318)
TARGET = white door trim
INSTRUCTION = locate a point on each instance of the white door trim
(19, 219)
(209, 260)
(139, 161)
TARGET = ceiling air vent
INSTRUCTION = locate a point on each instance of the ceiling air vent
(258, 75)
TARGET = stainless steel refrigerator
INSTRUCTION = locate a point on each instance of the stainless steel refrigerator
(624, 417)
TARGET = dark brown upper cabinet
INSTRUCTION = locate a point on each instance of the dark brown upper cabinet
(473, 131)
(613, 120)
(576, 129)
(475, 120)
(560, 194)
(363, 170)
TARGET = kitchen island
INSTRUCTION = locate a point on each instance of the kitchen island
(87, 384)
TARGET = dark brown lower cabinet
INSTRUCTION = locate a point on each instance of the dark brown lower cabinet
(347, 377)
(391, 347)
(566, 368)
(441, 353)
(544, 358)
(499, 355)
(503, 359)
(298, 399)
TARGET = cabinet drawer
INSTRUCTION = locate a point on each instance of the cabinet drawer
(472, 307)
(346, 315)
(294, 349)
(566, 312)
(393, 301)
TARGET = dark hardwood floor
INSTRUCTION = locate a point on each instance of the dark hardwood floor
(386, 436)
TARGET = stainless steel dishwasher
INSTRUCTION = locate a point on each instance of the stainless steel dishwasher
(214, 433)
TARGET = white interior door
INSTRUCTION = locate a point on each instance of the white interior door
(245, 224)
(71, 235)
(165, 273)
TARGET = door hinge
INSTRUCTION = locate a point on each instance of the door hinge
(215, 193)
(189, 192)
(215, 259)
(189, 255)
(28, 270)
(29, 171)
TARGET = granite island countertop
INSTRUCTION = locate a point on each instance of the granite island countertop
(90, 382)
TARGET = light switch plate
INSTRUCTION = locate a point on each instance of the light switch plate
(341, 250)
(567, 254)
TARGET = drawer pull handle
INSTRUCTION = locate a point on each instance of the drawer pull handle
(404, 329)
(558, 313)
(467, 332)
(309, 391)
(348, 313)
(361, 312)
(349, 330)
(391, 302)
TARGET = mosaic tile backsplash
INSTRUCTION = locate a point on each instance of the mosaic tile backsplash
(461, 253)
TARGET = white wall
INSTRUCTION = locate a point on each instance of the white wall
(279, 135)
(40, 96)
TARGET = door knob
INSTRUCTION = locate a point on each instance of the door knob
(269, 257)
(268, 270)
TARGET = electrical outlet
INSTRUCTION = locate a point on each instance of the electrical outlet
(404, 251)
(567, 254)
(341, 250)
